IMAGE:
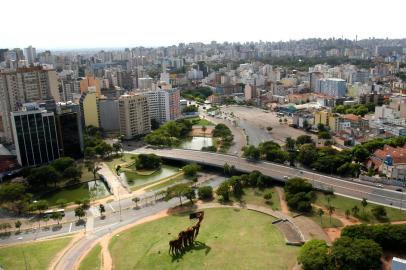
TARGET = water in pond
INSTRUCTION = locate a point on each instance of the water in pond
(196, 143)
(135, 179)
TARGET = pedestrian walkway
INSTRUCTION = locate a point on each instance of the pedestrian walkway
(116, 186)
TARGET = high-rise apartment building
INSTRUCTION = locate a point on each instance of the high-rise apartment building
(174, 103)
(134, 115)
(23, 86)
(89, 107)
(90, 81)
(30, 54)
(35, 135)
(144, 83)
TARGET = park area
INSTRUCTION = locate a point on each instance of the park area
(37, 255)
(224, 242)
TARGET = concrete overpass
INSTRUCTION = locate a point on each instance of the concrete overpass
(340, 186)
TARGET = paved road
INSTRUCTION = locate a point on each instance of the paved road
(340, 186)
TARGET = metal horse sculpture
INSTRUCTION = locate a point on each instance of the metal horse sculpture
(186, 237)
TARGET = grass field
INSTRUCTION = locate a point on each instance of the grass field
(38, 255)
(256, 196)
(92, 261)
(165, 184)
(324, 222)
(201, 121)
(119, 160)
(343, 203)
(228, 239)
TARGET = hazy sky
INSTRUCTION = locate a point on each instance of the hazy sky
(121, 23)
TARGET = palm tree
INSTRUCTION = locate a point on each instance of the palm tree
(364, 204)
(320, 213)
(347, 213)
(331, 210)
(355, 211)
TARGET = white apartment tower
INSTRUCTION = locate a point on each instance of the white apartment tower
(134, 115)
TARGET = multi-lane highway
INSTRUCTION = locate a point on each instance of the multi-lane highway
(346, 187)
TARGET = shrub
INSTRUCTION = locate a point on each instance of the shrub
(205, 193)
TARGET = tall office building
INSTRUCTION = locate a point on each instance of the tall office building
(70, 129)
(134, 115)
(35, 135)
(109, 114)
(89, 107)
(23, 86)
(30, 54)
(332, 87)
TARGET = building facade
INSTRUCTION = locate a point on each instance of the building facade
(22, 86)
(134, 115)
(89, 107)
(35, 135)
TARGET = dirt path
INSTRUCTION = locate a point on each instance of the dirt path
(282, 201)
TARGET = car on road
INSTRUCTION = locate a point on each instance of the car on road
(399, 189)
(379, 185)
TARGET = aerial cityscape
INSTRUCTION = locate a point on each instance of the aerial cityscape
(193, 141)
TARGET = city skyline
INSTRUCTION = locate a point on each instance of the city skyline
(159, 23)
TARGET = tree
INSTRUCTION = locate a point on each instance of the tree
(364, 204)
(280, 121)
(191, 169)
(251, 152)
(307, 154)
(304, 139)
(117, 147)
(136, 200)
(290, 144)
(18, 224)
(43, 176)
(79, 212)
(347, 213)
(314, 255)
(57, 216)
(92, 166)
(379, 213)
(61, 164)
(42, 205)
(299, 194)
(355, 211)
(14, 196)
(331, 210)
(204, 128)
(102, 210)
(148, 162)
(321, 127)
(356, 254)
(5, 226)
(236, 186)
(324, 135)
(320, 213)
(205, 193)
(178, 190)
(72, 172)
(224, 191)
(268, 196)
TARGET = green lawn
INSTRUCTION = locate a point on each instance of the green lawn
(171, 181)
(201, 122)
(343, 203)
(92, 261)
(77, 192)
(228, 239)
(324, 222)
(119, 160)
(256, 196)
(38, 255)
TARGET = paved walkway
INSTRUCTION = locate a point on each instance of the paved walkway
(116, 187)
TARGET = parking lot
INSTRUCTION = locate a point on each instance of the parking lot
(255, 121)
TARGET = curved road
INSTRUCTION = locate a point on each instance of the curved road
(345, 187)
